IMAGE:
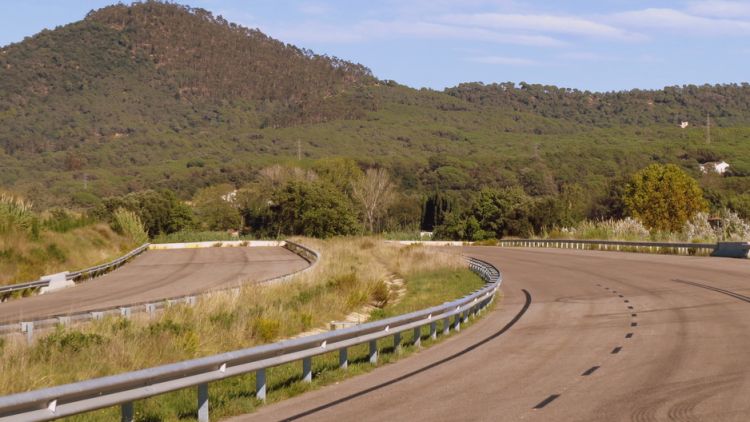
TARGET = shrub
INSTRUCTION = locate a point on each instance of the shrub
(266, 329)
(62, 340)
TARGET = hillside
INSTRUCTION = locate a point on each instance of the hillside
(127, 70)
(726, 104)
(158, 95)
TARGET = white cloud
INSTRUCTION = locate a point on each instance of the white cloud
(377, 30)
(540, 23)
(720, 8)
(675, 20)
(515, 61)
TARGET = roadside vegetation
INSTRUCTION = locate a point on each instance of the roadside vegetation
(34, 244)
(351, 274)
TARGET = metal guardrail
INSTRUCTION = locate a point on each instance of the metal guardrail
(613, 245)
(150, 307)
(124, 389)
(98, 270)
(77, 276)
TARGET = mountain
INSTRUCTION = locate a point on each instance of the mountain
(126, 69)
(158, 95)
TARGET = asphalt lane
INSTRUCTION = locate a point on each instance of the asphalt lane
(157, 275)
(578, 336)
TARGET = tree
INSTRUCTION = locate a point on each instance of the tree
(492, 213)
(374, 192)
(312, 209)
(160, 211)
(215, 208)
(663, 197)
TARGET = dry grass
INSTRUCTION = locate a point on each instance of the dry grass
(25, 259)
(347, 277)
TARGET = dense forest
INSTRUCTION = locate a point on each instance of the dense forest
(158, 97)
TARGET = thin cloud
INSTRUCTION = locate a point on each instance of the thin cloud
(539, 23)
(675, 20)
(514, 61)
(719, 8)
(378, 30)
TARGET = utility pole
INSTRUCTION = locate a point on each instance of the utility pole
(708, 128)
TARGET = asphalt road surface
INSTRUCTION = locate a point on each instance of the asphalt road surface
(578, 336)
(156, 275)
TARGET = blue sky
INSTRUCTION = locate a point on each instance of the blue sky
(598, 45)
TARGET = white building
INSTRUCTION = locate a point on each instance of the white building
(720, 167)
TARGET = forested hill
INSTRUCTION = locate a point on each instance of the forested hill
(161, 96)
(126, 69)
(728, 104)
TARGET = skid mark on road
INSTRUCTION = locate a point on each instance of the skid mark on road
(593, 369)
(408, 375)
(715, 289)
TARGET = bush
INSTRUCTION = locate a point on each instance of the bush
(63, 341)
(267, 329)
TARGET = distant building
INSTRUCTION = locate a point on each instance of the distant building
(720, 167)
(683, 125)
(230, 197)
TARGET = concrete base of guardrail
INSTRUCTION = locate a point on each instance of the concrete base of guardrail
(56, 282)
(732, 250)
(216, 244)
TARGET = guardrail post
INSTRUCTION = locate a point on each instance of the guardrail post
(446, 326)
(151, 309)
(125, 312)
(433, 330)
(307, 369)
(126, 412)
(28, 328)
(343, 358)
(203, 402)
(417, 336)
(260, 384)
(397, 343)
(373, 352)
(457, 322)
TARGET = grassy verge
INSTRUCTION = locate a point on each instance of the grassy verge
(350, 274)
(23, 258)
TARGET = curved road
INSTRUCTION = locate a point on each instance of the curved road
(156, 275)
(579, 336)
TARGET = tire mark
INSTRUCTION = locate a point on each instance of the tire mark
(408, 375)
(715, 289)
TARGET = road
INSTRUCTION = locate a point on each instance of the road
(578, 336)
(157, 275)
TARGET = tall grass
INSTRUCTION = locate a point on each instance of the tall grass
(344, 280)
(15, 214)
(128, 224)
(725, 226)
(32, 245)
